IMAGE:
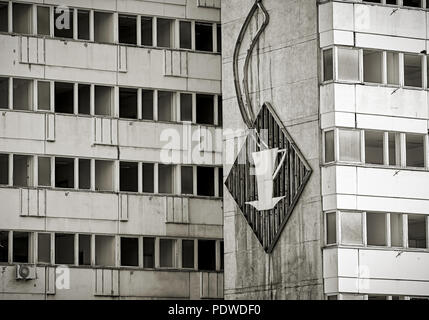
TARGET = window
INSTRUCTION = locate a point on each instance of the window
(417, 231)
(4, 246)
(43, 95)
(374, 142)
(413, 71)
(128, 103)
(328, 65)
(63, 23)
(185, 35)
(64, 248)
(22, 94)
(64, 97)
(22, 171)
(103, 100)
(415, 151)
(222, 249)
(147, 104)
(104, 175)
(4, 17)
(376, 229)
(167, 253)
(348, 64)
(128, 176)
(146, 30)
(219, 38)
(44, 171)
(413, 3)
(349, 141)
(396, 230)
(331, 228)
(64, 173)
(351, 228)
(372, 66)
(127, 29)
(165, 33)
(165, 178)
(4, 169)
(185, 107)
(44, 248)
(129, 252)
(207, 255)
(203, 37)
(205, 109)
(84, 174)
(43, 21)
(148, 177)
(21, 247)
(84, 98)
(205, 181)
(4, 93)
(84, 249)
(394, 151)
(377, 297)
(103, 27)
(105, 251)
(220, 111)
(22, 18)
(188, 254)
(148, 252)
(220, 177)
(187, 180)
(165, 106)
(83, 24)
(329, 146)
(393, 68)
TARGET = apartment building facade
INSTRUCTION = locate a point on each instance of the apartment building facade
(110, 149)
(349, 82)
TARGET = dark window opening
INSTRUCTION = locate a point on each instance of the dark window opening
(148, 252)
(413, 71)
(4, 169)
(221, 184)
(103, 100)
(148, 177)
(219, 38)
(127, 29)
(22, 171)
(103, 27)
(164, 33)
(22, 94)
(185, 35)
(147, 32)
(205, 181)
(22, 18)
(64, 173)
(84, 174)
(84, 98)
(222, 251)
(64, 97)
(415, 150)
(129, 176)
(44, 248)
(165, 106)
(4, 93)
(167, 253)
(147, 104)
(417, 231)
(21, 247)
(4, 17)
(63, 23)
(205, 107)
(43, 95)
(220, 111)
(165, 178)
(104, 175)
(207, 255)
(105, 251)
(64, 248)
(43, 21)
(328, 65)
(203, 37)
(4, 246)
(128, 103)
(129, 252)
(188, 254)
(186, 107)
(413, 3)
(44, 171)
(374, 146)
(187, 180)
(83, 25)
(376, 229)
(84, 249)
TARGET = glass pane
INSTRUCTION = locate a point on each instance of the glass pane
(374, 147)
(393, 151)
(417, 231)
(185, 35)
(329, 146)
(413, 70)
(372, 66)
(396, 229)
(349, 145)
(376, 229)
(393, 68)
(351, 228)
(331, 228)
(328, 69)
(348, 64)
(415, 151)
(167, 253)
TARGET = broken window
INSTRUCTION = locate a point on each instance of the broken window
(128, 176)
(103, 100)
(349, 141)
(22, 170)
(148, 252)
(84, 98)
(205, 109)
(83, 24)
(22, 18)
(167, 253)
(165, 178)
(203, 37)
(105, 251)
(43, 95)
(4, 93)
(147, 104)
(103, 27)
(64, 173)
(205, 181)
(396, 230)
(43, 21)
(127, 29)
(64, 248)
(22, 94)
(348, 64)
(393, 68)
(373, 66)
(413, 70)
(220, 179)
(185, 35)
(165, 33)
(104, 175)
(417, 231)
(129, 252)
(188, 254)
(331, 228)
(329, 146)
(64, 97)
(44, 248)
(84, 249)
(187, 180)
(146, 31)
(186, 107)
(219, 38)
(415, 150)
(328, 65)
(374, 141)
(84, 174)
(44, 171)
(413, 3)
(63, 22)
(376, 229)
(4, 16)
(220, 111)
(4, 246)
(165, 106)
(4, 169)
(128, 103)
(21, 247)
(148, 177)
(351, 228)
(207, 255)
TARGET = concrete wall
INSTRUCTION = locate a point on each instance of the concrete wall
(284, 72)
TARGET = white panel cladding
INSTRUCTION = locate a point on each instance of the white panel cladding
(32, 202)
(175, 63)
(123, 207)
(31, 50)
(106, 282)
(392, 43)
(50, 280)
(388, 123)
(338, 37)
(176, 210)
(105, 131)
(122, 59)
(211, 285)
(50, 127)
